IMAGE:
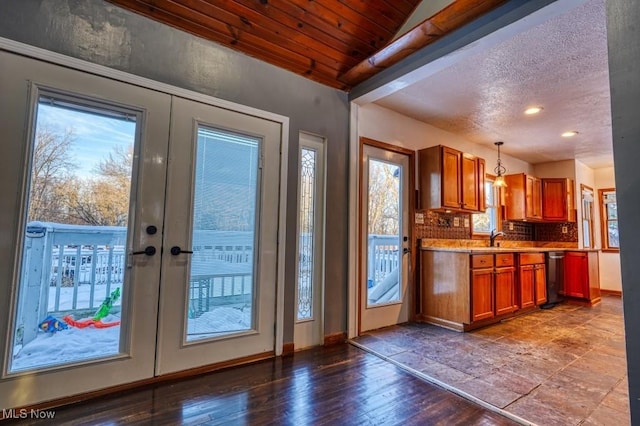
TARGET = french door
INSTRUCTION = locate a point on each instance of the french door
(385, 242)
(134, 238)
(218, 261)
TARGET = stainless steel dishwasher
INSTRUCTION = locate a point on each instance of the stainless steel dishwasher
(555, 278)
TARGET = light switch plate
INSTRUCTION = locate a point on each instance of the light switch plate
(420, 218)
(456, 221)
(510, 226)
(466, 222)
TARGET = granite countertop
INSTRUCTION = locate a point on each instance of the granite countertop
(489, 250)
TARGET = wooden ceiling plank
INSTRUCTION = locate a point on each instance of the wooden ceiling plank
(372, 34)
(363, 41)
(378, 11)
(448, 19)
(379, 26)
(249, 19)
(249, 45)
(355, 48)
(405, 6)
(209, 15)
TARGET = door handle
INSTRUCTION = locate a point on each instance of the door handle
(176, 250)
(148, 250)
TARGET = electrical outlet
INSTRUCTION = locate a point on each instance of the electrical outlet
(466, 222)
(420, 218)
(510, 226)
(565, 230)
(456, 221)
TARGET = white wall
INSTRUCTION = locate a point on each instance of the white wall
(384, 125)
(610, 275)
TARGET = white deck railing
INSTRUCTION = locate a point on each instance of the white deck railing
(73, 268)
(383, 257)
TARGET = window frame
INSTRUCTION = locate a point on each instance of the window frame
(604, 220)
(589, 217)
(497, 195)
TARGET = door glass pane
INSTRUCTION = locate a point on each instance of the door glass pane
(306, 252)
(73, 273)
(383, 239)
(221, 286)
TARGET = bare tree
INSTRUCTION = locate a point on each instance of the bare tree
(384, 199)
(49, 173)
(104, 200)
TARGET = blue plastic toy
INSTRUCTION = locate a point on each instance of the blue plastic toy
(51, 325)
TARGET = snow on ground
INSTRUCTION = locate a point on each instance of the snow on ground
(67, 346)
(218, 322)
(81, 344)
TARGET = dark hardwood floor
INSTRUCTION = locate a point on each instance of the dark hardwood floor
(338, 385)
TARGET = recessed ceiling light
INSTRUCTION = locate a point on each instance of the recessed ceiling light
(569, 134)
(533, 110)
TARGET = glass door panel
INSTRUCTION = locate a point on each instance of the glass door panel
(384, 244)
(221, 284)
(74, 276)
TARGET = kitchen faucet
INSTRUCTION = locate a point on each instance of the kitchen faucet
(493, 236)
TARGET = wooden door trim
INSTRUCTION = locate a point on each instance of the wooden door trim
(411, 278)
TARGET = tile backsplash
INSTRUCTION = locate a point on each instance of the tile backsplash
(554, 232)
(442, 225)
(439, 225)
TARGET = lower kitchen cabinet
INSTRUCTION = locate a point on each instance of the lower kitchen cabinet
(540, 283)
(482, 305)
(581, 276)
(505, 286)
(527, 279)
(532, 280)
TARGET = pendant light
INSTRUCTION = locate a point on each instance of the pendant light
(500, 170)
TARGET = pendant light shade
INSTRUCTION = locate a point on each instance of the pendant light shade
(500, 170)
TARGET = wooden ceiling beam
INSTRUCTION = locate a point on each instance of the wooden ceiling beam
(452, 17)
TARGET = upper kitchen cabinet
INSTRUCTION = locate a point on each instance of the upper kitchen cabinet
(451, 180)
(523, 197)
(558, 200)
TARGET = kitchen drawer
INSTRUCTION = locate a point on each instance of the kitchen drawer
(504, 259)
(481, 261)
(531, 258)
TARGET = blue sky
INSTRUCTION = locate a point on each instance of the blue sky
(95, 136)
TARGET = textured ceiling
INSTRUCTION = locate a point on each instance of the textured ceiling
(560, 65)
